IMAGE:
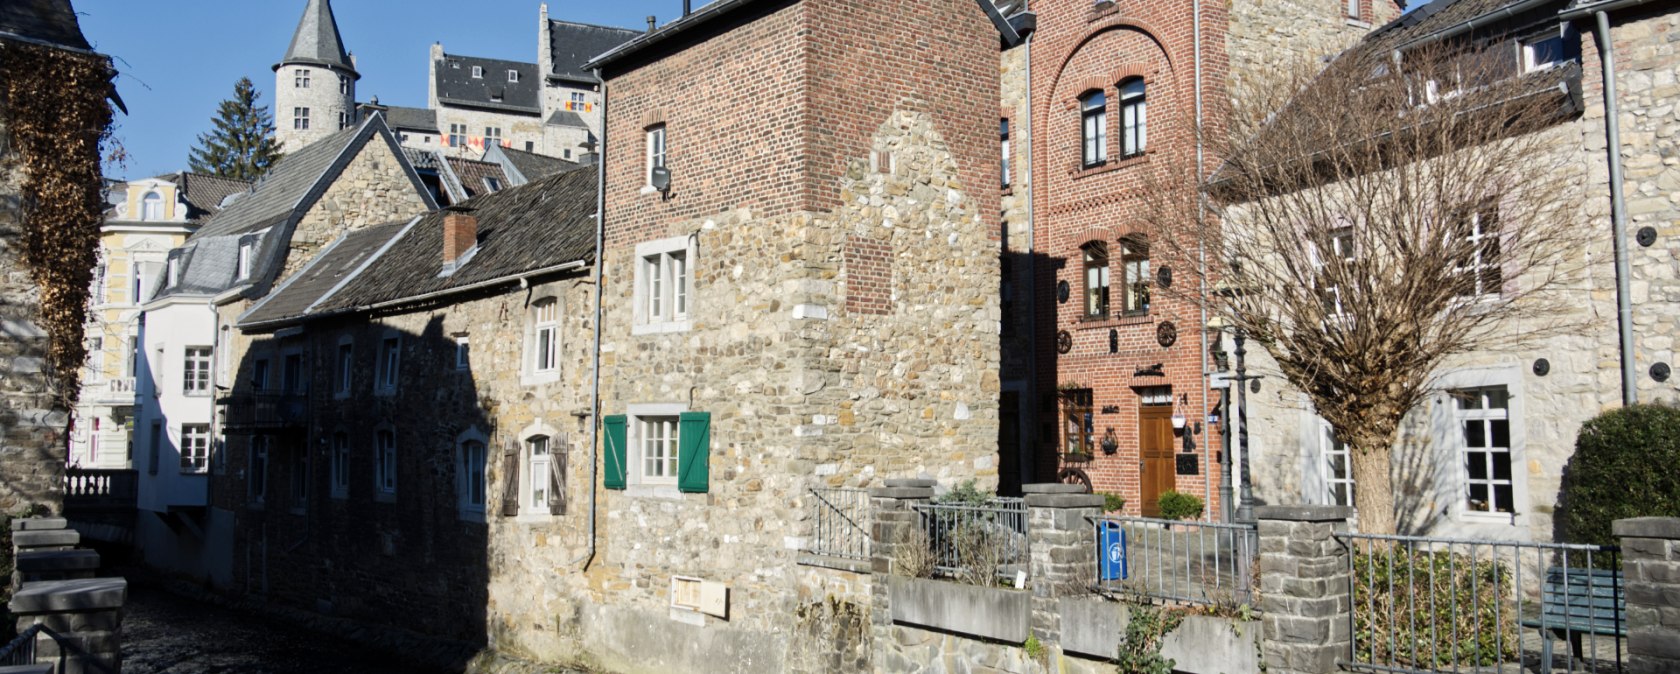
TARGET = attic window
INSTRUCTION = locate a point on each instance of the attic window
(492, 183)
(478, 72)
(245, 250)
(1542, 53)
(513, 76)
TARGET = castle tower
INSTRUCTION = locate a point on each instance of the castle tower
(315, 84)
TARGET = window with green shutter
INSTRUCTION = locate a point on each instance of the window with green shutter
(613, 428)
(694, 441)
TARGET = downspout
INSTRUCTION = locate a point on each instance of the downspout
(1201, 262)
(1028, 459)
(1618, 206)
(595, 354)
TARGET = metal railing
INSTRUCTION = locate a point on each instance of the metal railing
(1208, 563)
(23, 651)
(840, 526)
(1425, 604)
(970, 540)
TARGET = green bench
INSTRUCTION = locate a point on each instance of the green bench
(1578, 603)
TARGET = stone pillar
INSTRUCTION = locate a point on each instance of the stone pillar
(1651, 571)
(889, 511)
(1061, 541)
(1305, 591)
(86, 614)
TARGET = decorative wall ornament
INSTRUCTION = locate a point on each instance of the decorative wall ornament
(1163, 277)
(1647, 236)
(1542, 367)
(1062, 292)
(1166, 334)
(1064, 342)
(1661, 372)
(1113, 340)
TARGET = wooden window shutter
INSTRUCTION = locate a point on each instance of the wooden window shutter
(694, 440)
(613, 427)
(557, 451)
(510, 485)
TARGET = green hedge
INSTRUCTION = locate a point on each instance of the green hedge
(1623, 467)
(1408, 607)
(1177, 505)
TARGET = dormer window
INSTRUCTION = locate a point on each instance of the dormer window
(513, 76)
(246, 248)
(492, 183)
(478, 72)
(151, 206)
(174, 271)
(1542, 53)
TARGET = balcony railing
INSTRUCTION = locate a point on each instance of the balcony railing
(247, 412)
(119, 391)
(96, 490)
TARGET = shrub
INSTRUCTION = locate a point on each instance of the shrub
(1113, 503)
(965, 494)
(1140, 649)
(1622, 468)
(1180, 506)
(912, 552)
(1445, 595)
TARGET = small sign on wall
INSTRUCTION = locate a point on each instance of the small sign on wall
(1188, 465)
(701, 596)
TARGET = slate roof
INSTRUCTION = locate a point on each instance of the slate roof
(566, 118)
(207, 192)
(45, 21)
(278, 193)
(540, 225)
(1437, 16)
(421, 160)
(470, 176)
(573, 44)
(411, 119)
(522, 167)
(342, 258)
(456, 85)
(317, 42)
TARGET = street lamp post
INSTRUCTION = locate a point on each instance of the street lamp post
(1245, 504)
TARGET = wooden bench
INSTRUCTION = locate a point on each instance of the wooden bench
(1578, 603)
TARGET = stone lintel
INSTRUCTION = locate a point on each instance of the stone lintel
(1304, 513)
(1064, 501)
(39, 523)
(910, 482)
(90, 594)
(1648, 527)
(1053, 488)
(902, 493)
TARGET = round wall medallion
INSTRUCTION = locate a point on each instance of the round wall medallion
(1163, 276)
(1660, 372)
(1542, 367)
(1166, 333)
(1113, 340)
(1064, 342)
(1254, 386)
(1646, 236)
(1061, 292)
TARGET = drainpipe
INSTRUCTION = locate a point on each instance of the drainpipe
(1027, 459)
(1201, 259)
(1618, 206)
(595, 354)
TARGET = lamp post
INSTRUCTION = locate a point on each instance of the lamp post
(1245, 504)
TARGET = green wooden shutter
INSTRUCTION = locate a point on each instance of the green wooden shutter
(614, 427)
(694, 441)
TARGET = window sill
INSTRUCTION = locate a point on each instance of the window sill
(665, 492)
(474, 516)
(1079, 171)
(1356, 22)
(340, 496)
(1115, 322)
(385, 496)
(661, 328)
(539, 378)
(540, 517)
(385, 392)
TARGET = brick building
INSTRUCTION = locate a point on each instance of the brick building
(1120, 394)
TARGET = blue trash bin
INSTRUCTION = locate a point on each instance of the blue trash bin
(1112, 541)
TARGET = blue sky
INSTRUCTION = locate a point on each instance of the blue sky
(179, 58)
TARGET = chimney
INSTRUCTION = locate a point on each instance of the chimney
(460, 233)
(687, 7)
(651, 22)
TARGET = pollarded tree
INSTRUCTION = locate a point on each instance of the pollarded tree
(241, 144)
(1372, 217)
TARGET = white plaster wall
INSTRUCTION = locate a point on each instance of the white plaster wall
(169, 328)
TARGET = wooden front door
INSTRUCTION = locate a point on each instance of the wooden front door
(1155, 456)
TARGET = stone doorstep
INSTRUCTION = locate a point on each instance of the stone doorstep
(57, 596)
(24, 540)
(29, 561)
(39, 523)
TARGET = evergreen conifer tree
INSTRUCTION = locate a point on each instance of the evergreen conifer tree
(241, 145)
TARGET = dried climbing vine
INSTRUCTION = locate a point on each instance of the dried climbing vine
(57, 108)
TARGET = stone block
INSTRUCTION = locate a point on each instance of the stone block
(909, 483)
(1065, 501)
(1053, 488)
(902, 493)
(1304, 513)
(1667, 528)
(1654, 642)
(79, 644)
(57, 560)
(27, 669)
(70, 595)
(48, 538)
(39, 523)
(106, 620)
(985, 612)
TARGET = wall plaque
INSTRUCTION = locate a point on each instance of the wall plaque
(1188, 465)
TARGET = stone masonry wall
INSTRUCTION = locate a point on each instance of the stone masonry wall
(373, 189)
(31, 428)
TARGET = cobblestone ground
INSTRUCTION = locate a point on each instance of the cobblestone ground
(163, 633)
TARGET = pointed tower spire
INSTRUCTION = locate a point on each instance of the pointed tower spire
(317, 42)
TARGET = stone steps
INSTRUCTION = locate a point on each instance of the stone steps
(56, 588)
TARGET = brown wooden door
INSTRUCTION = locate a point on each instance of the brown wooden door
(1155, 455)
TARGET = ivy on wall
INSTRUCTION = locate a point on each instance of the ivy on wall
(57, 110)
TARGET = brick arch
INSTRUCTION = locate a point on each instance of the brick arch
(1107, 235)
(1108, 25)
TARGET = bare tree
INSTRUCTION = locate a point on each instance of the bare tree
(1373, 216)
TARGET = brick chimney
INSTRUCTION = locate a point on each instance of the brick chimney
(460, 233)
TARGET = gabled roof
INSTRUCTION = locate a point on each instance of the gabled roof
(537, 227)
(279, 192)
(566, 118)
(1441, 15)
(469, 178)
(317, 41)
(522, 167)
(411, 119)
(457, 86)
(207, 192)
(573, 44)
(50, 22)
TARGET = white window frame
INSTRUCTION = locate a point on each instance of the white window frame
(343, 85)
(656, 282)
(261, 366)
(339, 465)
(543, 357)
(1329, 449)
(151, 205)
(389, 367)
(1134, 118)
(294, 383)
(657, 151)
(457, 135)
(385, 463)
(1341, 246)
(195, 449)
(1528, 53)
(1354, 10)
(513, 75)
(344, 367)
(530, 486)
(1485, 416)
(467, 471)
(478, 72)
(1093, 128)
(637, 417)
(1003, 142)
(463, 353)
(196, 370)
(1476, 236)
(300, 78)
(300, 119)
(246, 248)
(492, 136)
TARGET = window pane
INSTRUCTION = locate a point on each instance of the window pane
(1501, 466)
(1501, 432)
(1504, 501)
(1476, 464)
(1479, 497)
(679, 283)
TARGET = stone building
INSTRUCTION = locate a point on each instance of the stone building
(1118, 389)
(349, 180)
(147, 218)
(315, 83)
(1538, 393)
(442, 386)
(33, 418)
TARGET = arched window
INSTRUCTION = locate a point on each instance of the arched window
(1134, 118)
(151, 206)
(1093, 113)
(1096, 279)
(1134, 257)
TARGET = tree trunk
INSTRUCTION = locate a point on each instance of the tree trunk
(1373, 486)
